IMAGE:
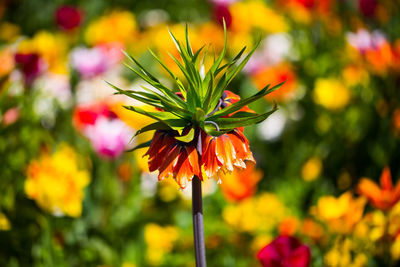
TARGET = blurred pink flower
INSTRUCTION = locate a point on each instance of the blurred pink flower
(68, 17)
(109, 137)
(285, 251)
(363, 40)
(113, 52)
(10, 116)
(108, 134)
(89, 62)
(223, 2)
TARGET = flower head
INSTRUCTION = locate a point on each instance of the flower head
(199, 126)
(285, 251)
(383, 198)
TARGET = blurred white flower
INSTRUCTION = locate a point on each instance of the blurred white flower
(275, 48)
(96, 89)
(148, 185)
(55, 86)
(272, 128)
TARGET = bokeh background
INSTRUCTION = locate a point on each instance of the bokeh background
(71, 196)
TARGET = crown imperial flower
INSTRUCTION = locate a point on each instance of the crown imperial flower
(199, 126)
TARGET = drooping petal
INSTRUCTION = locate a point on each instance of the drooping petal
(159, 149)
(166, 170)
(242, 149)
(187, 166)
(225, 152)
(210, 163)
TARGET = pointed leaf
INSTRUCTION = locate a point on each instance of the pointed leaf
(186, 138)
(244, 102)
(142, 145)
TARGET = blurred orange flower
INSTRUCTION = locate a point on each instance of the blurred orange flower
(240, 184)
(288, 226)
(7, 61)
(312, 229)
(277, 75)
(380, 59)
(383, 198)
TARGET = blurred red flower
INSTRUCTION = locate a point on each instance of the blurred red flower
(285, 251)
(68, 17)
(30, 66)
(368, 7)
(382, 198)
(87, 114)
(221, 13)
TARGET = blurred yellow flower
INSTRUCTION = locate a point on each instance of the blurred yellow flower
(4, 223)
(168, 190)
(132, 119)
(159, 240)
(372, 227)
(341, 213)
(311, 169)
(128, 264)
(56, 182)
(344, 254)
(118, 26)
(253, 215)
(250, 15)
(331, 93)
(51, 47)
(395, 248)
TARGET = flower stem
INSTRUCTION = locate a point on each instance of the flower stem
(198, 227)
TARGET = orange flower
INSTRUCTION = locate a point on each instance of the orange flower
(381, 58)
(312, 229)
(173, 158)
(240, 184)
(383, 198)
(224, 152)
(204, 156)
(288, 226)
(277, 75)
